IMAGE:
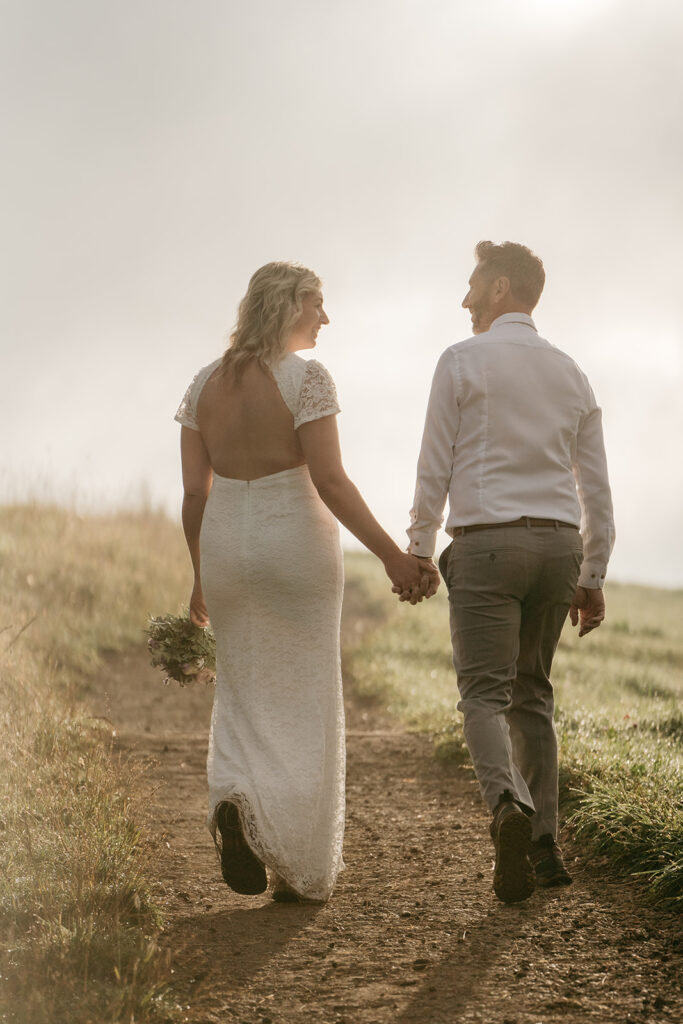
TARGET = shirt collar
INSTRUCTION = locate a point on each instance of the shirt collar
(514, 318)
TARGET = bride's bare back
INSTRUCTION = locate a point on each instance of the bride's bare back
(247, 429)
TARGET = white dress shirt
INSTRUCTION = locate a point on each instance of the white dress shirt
(512, 430)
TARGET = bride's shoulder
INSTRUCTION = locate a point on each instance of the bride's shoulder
(315, 368)
(202, 375)
(295, 364)
(303, 374)
(206, 371)
(292, 362)
(187, 410)
(291, 369)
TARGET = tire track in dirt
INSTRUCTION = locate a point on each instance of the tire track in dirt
(413, 933)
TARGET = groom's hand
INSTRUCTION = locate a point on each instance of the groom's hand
(587, 609)
(428, 586)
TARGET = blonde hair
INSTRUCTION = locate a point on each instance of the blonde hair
(267, 314)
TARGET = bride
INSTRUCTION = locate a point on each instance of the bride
(264, 487)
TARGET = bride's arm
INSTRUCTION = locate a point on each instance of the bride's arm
(320, 444)
(197, 480)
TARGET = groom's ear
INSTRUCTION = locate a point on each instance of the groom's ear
(501, 287)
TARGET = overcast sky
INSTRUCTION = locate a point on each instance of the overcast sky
(156, 152)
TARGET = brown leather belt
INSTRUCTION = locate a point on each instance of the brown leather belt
(526, 521)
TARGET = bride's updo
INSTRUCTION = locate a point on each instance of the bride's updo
(267, 314)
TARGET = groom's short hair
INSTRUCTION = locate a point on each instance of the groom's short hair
(520, 265)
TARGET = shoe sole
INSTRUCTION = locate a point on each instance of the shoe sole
(513, 877)
(240, 867)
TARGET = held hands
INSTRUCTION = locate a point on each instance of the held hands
(588, 606)
(413, 578)
(198, 613)
(428, 585)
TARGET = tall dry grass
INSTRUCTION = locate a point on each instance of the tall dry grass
(77, 911)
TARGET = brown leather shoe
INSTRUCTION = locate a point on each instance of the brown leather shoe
(546, 857)
(513, 875)
(240, 867)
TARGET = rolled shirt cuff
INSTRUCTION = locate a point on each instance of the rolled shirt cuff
(592, 575)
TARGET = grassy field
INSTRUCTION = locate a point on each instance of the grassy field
(77, 913)
(619, 720)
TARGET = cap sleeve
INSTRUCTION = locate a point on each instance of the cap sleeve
(187, 410)
(318, 396)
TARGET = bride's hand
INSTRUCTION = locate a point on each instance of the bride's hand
(405, 574)
(198, 613)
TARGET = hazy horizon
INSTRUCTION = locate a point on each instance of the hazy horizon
(156, 153)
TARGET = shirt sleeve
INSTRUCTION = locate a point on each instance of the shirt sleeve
(592, 485)
(318, 395)
(435, 462)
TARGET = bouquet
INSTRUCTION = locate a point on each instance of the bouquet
(182, 651)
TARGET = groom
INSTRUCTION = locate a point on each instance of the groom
(513, 438)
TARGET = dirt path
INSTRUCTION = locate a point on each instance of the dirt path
(413, 933)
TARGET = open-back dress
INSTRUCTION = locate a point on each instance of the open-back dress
(272, 577)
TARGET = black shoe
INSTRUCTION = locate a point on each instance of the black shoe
(513, 875)
(547, 860)
(240, 867)
(286, 895)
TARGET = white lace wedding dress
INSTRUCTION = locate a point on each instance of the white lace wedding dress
(272, 575)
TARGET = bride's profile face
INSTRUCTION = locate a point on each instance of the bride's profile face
(305, 330)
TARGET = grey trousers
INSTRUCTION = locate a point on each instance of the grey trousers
(509, 592)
